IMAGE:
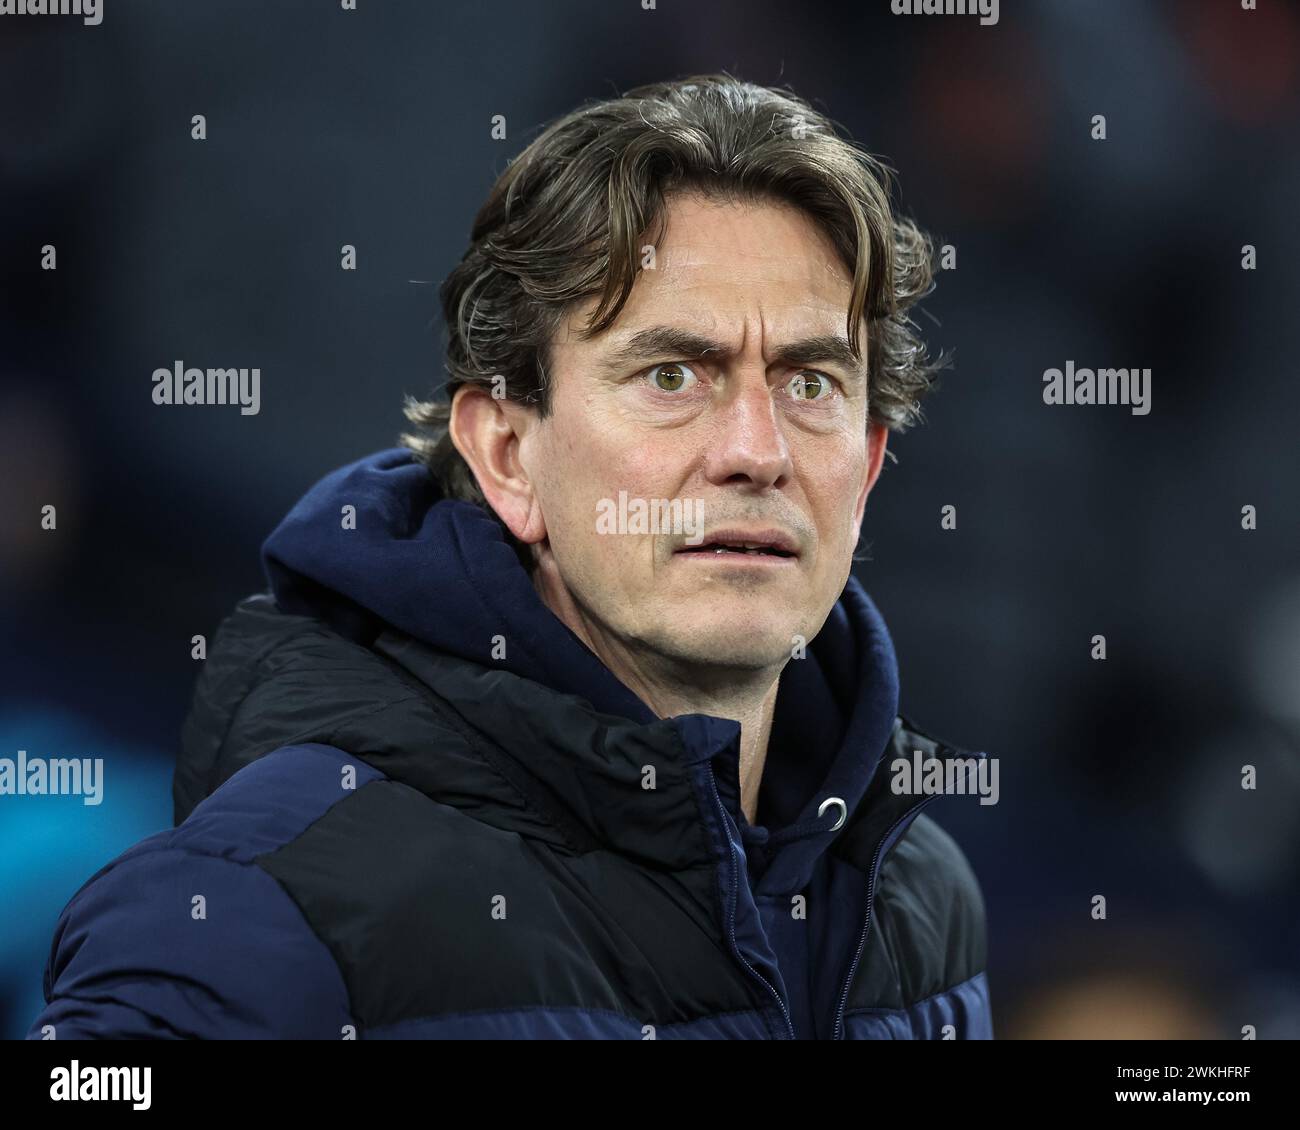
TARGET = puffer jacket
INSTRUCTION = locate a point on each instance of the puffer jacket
(410, 803)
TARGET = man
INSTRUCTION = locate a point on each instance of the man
(567, 718)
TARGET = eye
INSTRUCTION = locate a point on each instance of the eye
(671, 377)
(809, 384)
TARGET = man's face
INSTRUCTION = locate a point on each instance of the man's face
(767, 435)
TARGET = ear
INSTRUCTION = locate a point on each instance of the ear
(488, 432)
(877, 438)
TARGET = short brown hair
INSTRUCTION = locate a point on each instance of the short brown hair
(564, 221)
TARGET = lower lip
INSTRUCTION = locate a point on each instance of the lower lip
(748, 560)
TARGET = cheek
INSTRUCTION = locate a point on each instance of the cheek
(578, 467)
(599, 457)
(834, 495)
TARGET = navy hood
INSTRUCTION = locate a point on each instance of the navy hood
(442, 571)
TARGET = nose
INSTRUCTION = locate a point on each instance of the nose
(749, 446)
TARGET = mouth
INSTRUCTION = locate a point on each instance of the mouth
(767, 546)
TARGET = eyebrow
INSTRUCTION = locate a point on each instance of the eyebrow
(670, 341)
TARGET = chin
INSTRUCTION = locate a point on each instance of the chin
(730, 638)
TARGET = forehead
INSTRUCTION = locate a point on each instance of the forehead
(703, 232)
(725, 263)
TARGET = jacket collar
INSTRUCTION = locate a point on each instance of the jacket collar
(565, 773)
(583, 781)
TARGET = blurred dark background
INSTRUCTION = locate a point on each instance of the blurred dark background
(372, 127)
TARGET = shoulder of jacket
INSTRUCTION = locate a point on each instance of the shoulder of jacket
(274, 679)
(272, 800)
(168, 924)
(930, 910)
(927, 860)
(907, 736)
(930, 861)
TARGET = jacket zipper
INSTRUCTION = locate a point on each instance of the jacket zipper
(731, 910)
(866, 922)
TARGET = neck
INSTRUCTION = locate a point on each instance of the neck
(751, 708)
(671, 686)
